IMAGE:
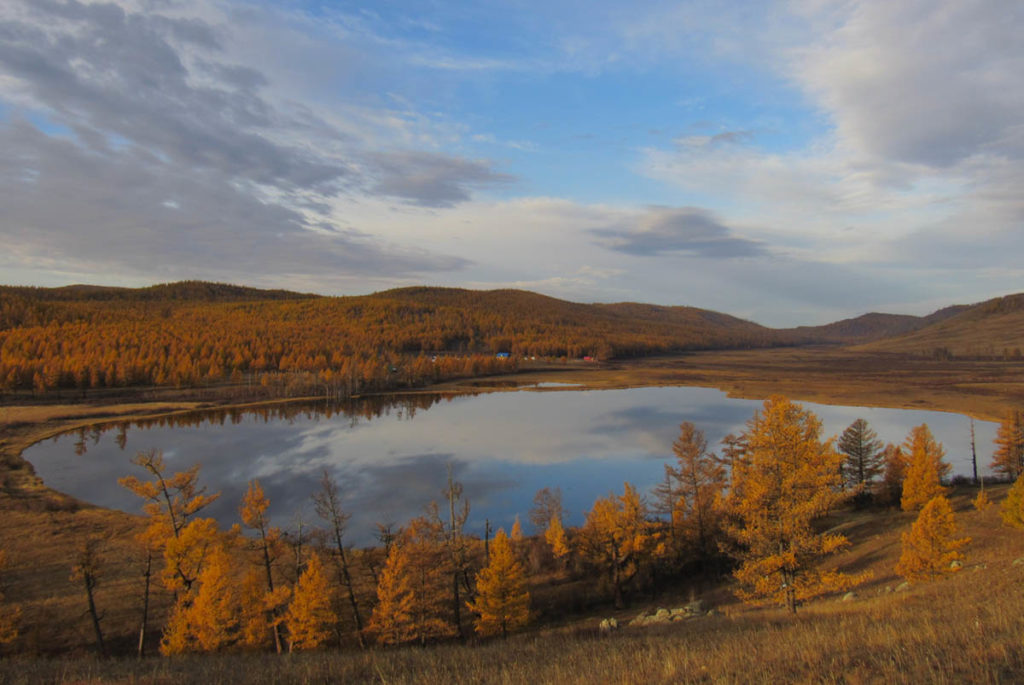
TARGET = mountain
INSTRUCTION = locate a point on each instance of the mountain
(994, 328)
(201, 291)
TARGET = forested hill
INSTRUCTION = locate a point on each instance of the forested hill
(88, 337)
(991, 329)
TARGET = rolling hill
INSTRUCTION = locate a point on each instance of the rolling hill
(994, 328)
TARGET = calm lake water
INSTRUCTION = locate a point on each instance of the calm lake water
(390, 460)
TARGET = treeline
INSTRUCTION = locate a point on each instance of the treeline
(336, 346)
(755, 509)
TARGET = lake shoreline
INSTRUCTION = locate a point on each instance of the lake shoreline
(979, 389)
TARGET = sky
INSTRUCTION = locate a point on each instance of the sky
(787, 162)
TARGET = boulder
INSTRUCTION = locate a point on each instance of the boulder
(695, 607)
(849, 596)
(903, 587)
(608, 625)
(956, 565)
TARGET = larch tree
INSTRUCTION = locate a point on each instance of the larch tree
(1008, 459)
(451, 526)
(87, 570)
(502, 602)
(310, 616)
(517, 530)
(932, 545)
(1012, 508)
(171, 502)
(925, 469)
(392, 619)
(701, 481)
(786, 479)
(618, 539)
(863, 456)
(328, 506)
(556, 538)
(895, 472)
(413, 588)
(547, 504)
(253, 513)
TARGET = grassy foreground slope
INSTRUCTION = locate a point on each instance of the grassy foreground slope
(965, 628)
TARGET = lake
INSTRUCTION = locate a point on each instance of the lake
(390, 457)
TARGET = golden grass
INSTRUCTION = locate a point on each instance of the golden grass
(965, 628)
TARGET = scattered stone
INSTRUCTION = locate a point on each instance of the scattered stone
(713, 612)
(980, 567)
(849, 596)
(956, 565)
(695, 607)
(888, 588)
(1018, 561)
(608, 625)
(662, 614)
(903, 587)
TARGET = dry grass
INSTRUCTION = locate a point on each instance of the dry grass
(965, 628)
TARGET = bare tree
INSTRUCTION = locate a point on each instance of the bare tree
(328, 507)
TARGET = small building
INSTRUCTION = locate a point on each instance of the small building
(502, 355)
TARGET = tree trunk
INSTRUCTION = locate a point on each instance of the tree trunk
(145, 602)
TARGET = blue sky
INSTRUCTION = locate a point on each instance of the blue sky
(788, 162)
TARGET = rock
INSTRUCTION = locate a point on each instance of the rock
(662, 614)
(713, 612)
(980, 567)
(849, 596)
(1018, 561)
(956, 565)
(903, 587)
(640, 619)
(608, 625)
(678, 611)
(695, 607)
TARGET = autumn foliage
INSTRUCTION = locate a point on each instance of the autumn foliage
(925, 469)
(502, 602)
(932, 545)
(786, 479)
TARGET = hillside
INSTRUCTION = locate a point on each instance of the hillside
(197, 334)
(870, 327)
(991, 329)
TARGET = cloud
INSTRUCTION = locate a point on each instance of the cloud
(689, 231)
(429, 179)
(922, 82)
(134, 214)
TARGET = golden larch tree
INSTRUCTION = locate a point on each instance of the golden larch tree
(617, 539)
(392, 619)
(925, 468)
(517, 530)
(556, 538)
(502, 602)
(981, 502)
(253, 513)
(311, 616)
(421, 570)
(700, 481)
(786, 479)
(1012, 508)
(932, 545)
(217, 607)
(1008, 459)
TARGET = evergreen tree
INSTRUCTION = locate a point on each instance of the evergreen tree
(863, 454)
(502, 602)
(925, 469)
(931, 545)
(786, 479)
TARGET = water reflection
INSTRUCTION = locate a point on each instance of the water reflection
(389, 455)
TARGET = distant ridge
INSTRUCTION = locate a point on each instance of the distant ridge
(991, 329)
(873, 326)
(199, 291)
